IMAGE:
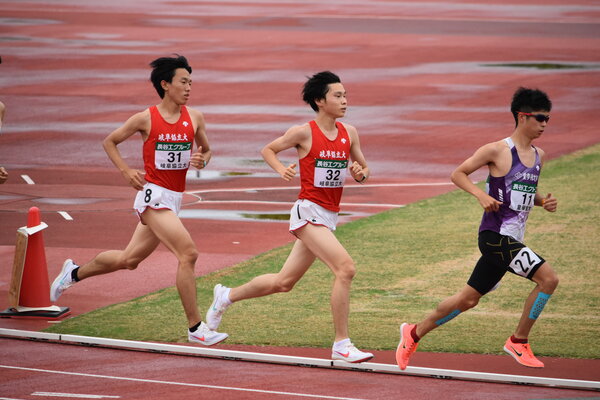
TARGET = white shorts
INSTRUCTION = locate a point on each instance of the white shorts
(158, 198)
(306, 212)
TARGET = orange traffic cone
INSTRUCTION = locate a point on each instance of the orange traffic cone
(29, 292)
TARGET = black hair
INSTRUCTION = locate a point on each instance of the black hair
(163, 69)
(317, 86)
(529, 100)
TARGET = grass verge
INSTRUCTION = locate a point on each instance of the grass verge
(408, 260)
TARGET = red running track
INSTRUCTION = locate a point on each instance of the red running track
(425, 89)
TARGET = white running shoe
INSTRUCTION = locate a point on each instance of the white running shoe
(218, 307)
(349, 353)
(63, 281)
(205, 336)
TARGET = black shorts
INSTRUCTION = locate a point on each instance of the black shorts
(500, 254)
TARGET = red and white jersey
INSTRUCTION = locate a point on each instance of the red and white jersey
(323, 169)
(168, 149)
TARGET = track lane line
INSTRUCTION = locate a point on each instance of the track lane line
(198, 385)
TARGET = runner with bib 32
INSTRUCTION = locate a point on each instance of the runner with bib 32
(324, 148)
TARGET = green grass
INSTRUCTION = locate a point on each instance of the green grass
(408, 260)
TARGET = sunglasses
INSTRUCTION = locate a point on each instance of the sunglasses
(538, 117)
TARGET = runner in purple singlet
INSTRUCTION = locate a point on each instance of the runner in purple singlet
(511, 193)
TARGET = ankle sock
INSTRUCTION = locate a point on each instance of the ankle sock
(193, 328)
(516, 340)
(341, 343)
(413, 333)
(74, 275)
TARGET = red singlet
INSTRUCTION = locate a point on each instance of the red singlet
(323, 169)
(167, 150)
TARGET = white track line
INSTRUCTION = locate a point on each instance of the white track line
(27, 179)
(305, 361)
(76, 395)
(366, 185)
(198, 193)
(230, 388)
(289, 203)
(439, 18)
(65, 215)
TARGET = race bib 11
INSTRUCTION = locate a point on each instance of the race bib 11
(522, 196)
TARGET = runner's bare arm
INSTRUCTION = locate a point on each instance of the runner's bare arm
(485, 155)
(359, 168)
(3, 172)
(202, 156)
(3, 175)
(139, 122)
(2, 113)
(296, 136)
(548, 202)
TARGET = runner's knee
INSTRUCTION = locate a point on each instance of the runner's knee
(549, 283)
(188, 257)
(467, 302)
(345, 270)
(129, 263)
(282, 285)
(546, 279)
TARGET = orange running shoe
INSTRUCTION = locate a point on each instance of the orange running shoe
(523, 354)
(406, 347)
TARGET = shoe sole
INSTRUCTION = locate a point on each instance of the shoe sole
(57, 279)
(353, 362)
(193, 340)
(520, 360)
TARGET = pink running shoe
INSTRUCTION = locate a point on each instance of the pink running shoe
(406, 347)
(522, 353)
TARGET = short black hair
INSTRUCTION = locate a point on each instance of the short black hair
(317, 86)
(163, 69)
(529, 100)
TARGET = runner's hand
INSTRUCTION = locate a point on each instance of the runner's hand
(357, 172)
(549, 203)
(489, 203)
(198, 159)
(3, 175)
(135, 178)
(289, 172)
